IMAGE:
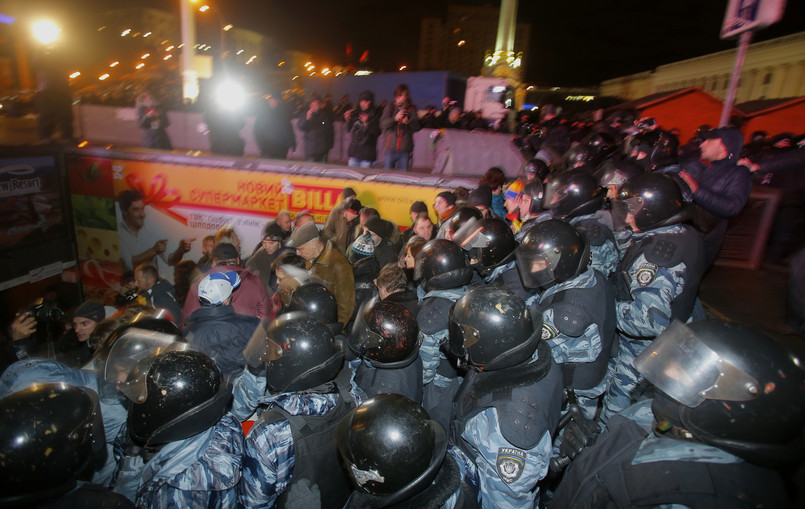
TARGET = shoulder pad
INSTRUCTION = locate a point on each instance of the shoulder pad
(571, 318)
(520, 418)
(597, 233)
(672, 249)
(434, 315)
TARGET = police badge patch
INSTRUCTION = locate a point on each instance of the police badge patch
(510, 464)
(548, 331)
(646, 274)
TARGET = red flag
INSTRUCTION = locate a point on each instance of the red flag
(364, 57)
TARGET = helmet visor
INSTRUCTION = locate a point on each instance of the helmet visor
(261, 348)
(363, 338)
(471, 235)
(622, 208)
(131, 357)
(682, 366)
(537, 269)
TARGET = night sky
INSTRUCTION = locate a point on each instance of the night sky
(573, 42)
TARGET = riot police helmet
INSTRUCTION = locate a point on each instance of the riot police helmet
(573, 193)
(299, 350)
(652, 199)
(728, 386)
(489, 243)
(385, 333)
(493, 329)
(441, 265)
(51, 436)
(391, 448)
(185, 395)
(552, 252)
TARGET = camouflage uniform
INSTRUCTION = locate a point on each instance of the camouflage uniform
(657, 282)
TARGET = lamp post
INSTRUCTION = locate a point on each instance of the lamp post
(189, 73)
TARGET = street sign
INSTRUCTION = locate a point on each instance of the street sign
(743, 15)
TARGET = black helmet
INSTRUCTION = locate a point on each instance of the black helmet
(386, 334)
(315, 299)
(581, 155)
(141, 323)
(603, 143)
(661, 149)
(493, 328)
(489, 243)
(552, 252)
(730, 387)
(50, 436)
(442, 265)
(390, 447)
(654, 199)
(617, 172)
(535, 169)
(300, 350)
(573, 193)
(461, 216)
(186, 395)
(535, 191)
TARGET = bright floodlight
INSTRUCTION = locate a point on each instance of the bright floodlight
(230, 95)
(46, 31)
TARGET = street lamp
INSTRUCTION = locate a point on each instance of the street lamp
(46, 31)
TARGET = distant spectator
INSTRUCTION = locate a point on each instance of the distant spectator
(272, 128)
(399, 123)
(153, 119)
(317, 125)
(363, 124)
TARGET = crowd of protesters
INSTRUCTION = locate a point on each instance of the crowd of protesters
(537, 323)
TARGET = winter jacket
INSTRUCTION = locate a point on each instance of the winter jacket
(399, 136)
(336, 272)
(222, 334)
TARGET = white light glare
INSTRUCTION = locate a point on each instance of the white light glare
(46, 31)
(230, 95)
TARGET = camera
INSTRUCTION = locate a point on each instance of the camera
(45, 313)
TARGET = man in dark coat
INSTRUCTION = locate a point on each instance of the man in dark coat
(317, 124)
(718, 186)
(272, 128)
(215, 329)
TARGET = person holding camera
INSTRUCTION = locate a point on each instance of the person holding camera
(364, 129)
(399, 122)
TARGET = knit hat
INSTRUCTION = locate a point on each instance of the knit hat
(731, 137)
(419, 207)
(215, 288)
(354, 205)
(224, 251)
(379, 227)
(273, 231)
(514, 190)
(481, 196)
(303, 235)
(363, 247)
(92, 310)
(348, 192)
(448, 196)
